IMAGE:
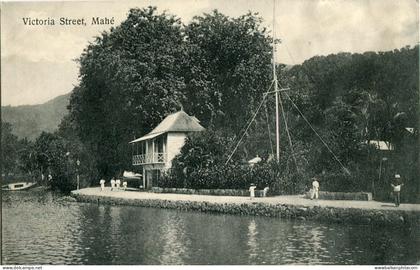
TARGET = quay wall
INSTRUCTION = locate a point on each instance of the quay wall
(324, 214)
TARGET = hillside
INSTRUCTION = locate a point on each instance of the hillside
(30, 120)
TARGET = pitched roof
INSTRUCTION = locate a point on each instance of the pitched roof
(176, 122)
(147, 137)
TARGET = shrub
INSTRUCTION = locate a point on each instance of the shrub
(237, 176)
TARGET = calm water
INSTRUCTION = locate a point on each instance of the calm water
(39, 229)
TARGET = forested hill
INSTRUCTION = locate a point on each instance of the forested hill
(389, 78)
(30, 120)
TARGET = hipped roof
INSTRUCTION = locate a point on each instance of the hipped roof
(176, 122)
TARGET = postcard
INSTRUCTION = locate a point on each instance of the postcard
(194, 132)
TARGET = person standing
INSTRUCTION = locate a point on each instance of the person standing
(112, 183)
(265, 191)
(102, 182)
(252, 191)
(315, 188)
(397, 189)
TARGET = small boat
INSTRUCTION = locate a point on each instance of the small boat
(131, 175)
(17, 186)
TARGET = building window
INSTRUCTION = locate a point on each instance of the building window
(159, 144)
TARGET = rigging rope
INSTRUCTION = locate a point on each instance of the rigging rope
(245, 125)
(268, 128)
(284, 119)
(250, 122)
(320, 138)
(288, 133)
(313, 80)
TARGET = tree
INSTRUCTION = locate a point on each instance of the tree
(57, 156)
(216, 68)
(353, 98)
(9, 149)
(227, 68)
(130, 79)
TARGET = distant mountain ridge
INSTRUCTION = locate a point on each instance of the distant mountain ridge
(29, 121)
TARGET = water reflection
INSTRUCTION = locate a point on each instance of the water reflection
(311, 245)
(39, 229)
(26, 228)
(252, 241)
(176, 242)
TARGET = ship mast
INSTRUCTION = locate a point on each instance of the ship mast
(277, 91)
(276, 85)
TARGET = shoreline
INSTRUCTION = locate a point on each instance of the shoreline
(289, 207)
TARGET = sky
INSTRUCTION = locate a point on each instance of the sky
(38, 62)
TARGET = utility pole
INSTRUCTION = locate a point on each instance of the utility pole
(275, 85)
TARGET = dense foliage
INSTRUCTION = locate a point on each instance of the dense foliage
(227, 68)
(202, 165)
(348, 103)
(134, 75)
(10, 146)
(51, 160)
(217, 68)
(130, 78)
(353, 99)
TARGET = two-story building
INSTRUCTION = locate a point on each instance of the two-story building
(155, 151)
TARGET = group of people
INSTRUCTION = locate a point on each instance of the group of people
(115, 184)
(396, 186)
(314, 192)
(252, 189)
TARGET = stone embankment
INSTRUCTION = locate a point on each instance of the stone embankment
(272, 207)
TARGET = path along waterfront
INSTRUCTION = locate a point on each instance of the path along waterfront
(293, 200)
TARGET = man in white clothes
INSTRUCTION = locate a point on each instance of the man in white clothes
(112, 183)
(102, 182)
(397, 189)
(315, 188)
(252, 191)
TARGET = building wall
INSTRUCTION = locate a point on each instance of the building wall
(147, 170)
(174, 145)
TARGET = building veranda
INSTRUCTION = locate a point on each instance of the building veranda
(155, 151)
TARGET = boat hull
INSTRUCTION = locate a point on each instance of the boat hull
(18, 186)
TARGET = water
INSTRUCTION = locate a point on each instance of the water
(38, 228)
